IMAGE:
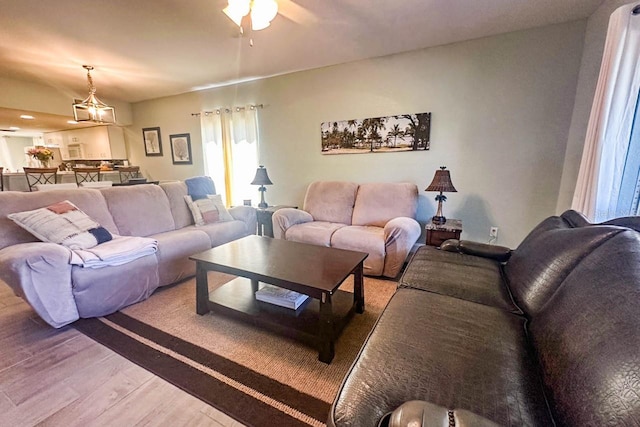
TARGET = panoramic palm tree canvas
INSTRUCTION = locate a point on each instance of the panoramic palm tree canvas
(404, 132)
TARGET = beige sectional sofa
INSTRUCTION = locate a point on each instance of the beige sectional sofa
(60, 292)
(377, 218)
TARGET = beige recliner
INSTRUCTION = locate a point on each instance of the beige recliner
(375, 218)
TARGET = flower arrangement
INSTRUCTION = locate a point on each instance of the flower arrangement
(41, 153)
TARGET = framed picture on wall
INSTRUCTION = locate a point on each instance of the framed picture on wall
(152, 141)
(181, 149)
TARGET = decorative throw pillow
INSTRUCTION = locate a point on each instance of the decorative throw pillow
(62, 223)
(208, 210)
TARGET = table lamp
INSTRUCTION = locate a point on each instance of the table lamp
(262, 179)
(442, 183)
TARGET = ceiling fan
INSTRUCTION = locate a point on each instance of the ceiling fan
(256, 15)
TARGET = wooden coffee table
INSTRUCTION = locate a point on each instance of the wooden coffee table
(316, 271)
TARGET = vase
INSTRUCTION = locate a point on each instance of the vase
(45, 163)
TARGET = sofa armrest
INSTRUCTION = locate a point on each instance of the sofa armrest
(400, 234)
(484, 250)
(285, 218)
(41, 274)
(419, 413)
(246, 214)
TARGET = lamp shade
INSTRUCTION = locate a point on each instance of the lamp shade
(261, 178)
(442, 182)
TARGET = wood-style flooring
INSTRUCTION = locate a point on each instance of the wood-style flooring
(59, 377)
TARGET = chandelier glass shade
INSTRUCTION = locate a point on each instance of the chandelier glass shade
(92, 109)
(261, 12)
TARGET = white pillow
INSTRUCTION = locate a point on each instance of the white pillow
(209, 210)
(62, 223)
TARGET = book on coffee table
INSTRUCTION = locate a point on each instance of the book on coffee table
(280, 296)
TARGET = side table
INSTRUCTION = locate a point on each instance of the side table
(438, 233)
(264, 217)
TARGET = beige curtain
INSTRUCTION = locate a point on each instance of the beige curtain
(611, 119)
(230, 144)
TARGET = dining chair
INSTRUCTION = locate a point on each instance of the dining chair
(87, 175)
(1, 179)
(128, 172)
(37, 176)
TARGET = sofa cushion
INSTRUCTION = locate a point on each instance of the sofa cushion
(363, 239)
(315, 233)
(543, 261)
(458, 275)
(224, 232)
(174, 249)
(175, 191)
(101, 291)
(139, 210)
(588, 338)
(331, 201)
(90, 201)
(446, 351)
(62, 223)
(377, 204)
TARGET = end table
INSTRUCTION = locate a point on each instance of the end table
(264, 217)
(438, 233)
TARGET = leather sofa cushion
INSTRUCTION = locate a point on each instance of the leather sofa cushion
(540, 264)
(315, 233)
(139, 210)
(363, 239)
(588, 338)
(376, 204)
(458, 275)
(331, 201)
(449, 352)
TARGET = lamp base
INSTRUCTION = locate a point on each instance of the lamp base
(262, 203)
(438, 220)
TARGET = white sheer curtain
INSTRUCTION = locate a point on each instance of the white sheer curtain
(611, 120)
(230, 144)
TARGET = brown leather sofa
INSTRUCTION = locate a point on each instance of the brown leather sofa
(547, 334)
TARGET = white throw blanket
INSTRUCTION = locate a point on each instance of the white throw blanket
(120, 250)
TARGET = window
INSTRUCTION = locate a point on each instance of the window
(607, 185)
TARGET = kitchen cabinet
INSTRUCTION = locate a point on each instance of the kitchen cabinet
(92, 143)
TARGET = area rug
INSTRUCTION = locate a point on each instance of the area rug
(255, 376)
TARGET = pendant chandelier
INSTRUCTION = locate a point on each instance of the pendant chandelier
(92, 109)
(261, 12)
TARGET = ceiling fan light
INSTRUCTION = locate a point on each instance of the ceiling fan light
(257, 24)
(236, 10)
(264, 10)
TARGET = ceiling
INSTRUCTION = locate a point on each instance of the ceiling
(146, 49)
(41, 122)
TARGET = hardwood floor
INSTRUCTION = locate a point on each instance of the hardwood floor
(59, 377)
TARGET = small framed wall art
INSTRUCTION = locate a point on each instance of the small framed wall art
(181, 149)
(152, 141)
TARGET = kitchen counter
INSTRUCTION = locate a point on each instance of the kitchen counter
(17, 181)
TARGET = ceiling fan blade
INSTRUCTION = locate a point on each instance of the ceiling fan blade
(296, 13)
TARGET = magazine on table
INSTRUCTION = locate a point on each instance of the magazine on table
(280, 296)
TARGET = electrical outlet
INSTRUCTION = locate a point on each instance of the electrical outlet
(493, 232)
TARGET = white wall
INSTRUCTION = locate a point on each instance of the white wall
(12, 155)
(501, 111)
(595, 36)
